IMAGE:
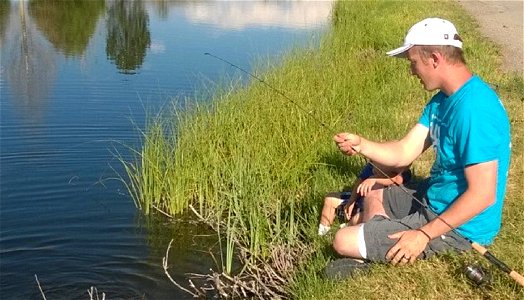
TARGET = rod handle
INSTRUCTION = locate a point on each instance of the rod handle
(517, 277)
(499, 264)
(480, 249)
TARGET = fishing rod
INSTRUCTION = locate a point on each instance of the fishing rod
(471, 272)
(476, 246)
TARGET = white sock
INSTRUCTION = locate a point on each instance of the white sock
(323, 229)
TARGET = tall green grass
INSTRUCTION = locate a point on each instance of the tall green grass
(258, 166)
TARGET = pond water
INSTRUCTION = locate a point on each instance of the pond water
(77, 80)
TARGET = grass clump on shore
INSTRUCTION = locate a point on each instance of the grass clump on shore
(255, 167)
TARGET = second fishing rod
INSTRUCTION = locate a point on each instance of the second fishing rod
(477, 247)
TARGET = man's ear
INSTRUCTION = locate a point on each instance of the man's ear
(436, 59)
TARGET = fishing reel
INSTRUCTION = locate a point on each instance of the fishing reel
(477, 275)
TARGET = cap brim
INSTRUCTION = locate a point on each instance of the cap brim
(400, 51)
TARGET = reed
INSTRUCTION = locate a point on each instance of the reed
(256, 168)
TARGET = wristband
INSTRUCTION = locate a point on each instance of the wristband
(427, 235)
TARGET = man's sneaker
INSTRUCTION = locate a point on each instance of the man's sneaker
(344, 268)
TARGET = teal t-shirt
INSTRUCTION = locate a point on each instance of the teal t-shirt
(469, 127)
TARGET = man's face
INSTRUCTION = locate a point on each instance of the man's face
(422, 68)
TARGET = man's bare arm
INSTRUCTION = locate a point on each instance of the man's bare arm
(398, 179)
(400, 153)
(480, 194)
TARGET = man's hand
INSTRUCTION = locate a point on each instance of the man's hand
(409, 246)
(348, 143)
(366, 186)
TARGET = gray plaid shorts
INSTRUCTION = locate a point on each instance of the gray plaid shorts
(406, 213)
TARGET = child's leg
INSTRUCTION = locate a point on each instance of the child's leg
(331, 202)
(356, 212)
(355, 219)
(372, 205)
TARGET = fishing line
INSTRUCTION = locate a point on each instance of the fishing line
(479, 248)
(323, 125)
(273, 89)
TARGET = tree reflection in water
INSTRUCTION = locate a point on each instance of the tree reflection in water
(5, 7)
(28, 62)
(128, 35)
(68, 25)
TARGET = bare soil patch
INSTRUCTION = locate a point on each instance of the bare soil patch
(502, 22)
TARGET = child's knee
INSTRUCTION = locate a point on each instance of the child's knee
(332, 201)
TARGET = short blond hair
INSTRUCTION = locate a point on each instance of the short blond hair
(452, 54)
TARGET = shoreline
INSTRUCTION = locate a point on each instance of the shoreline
(266, 217)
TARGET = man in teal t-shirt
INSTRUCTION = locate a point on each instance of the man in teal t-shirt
(468, 128)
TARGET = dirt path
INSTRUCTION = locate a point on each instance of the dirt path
(502, 22)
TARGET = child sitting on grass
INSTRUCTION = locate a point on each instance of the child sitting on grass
(348, 205)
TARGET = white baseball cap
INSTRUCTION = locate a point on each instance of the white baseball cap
(429, 32)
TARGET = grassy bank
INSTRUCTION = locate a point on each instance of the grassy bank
(255, 167)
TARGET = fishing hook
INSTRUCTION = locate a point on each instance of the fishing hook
(479, 248)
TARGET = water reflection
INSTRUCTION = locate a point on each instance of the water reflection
(28, 62)
(161, 7)
(66, 98)
(241, 14)
(5, 6)
(128, 35)
(68, 25)
(189, 238)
